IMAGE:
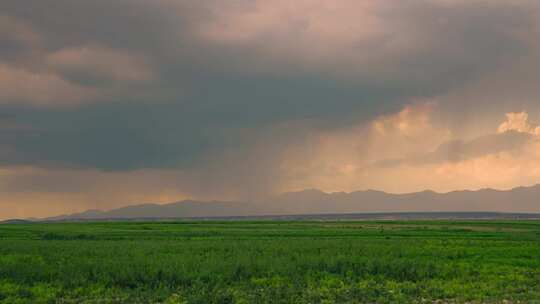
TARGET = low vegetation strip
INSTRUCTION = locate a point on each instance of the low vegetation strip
(271, 262)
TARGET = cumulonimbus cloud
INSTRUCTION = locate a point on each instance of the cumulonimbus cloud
(258, 96)
(519, 122)
(512, 135)
(409, 151)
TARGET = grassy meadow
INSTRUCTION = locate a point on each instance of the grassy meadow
(271, 262)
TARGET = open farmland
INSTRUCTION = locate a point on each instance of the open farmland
(271, 262)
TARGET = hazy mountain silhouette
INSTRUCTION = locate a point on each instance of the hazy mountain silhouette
(522, 199)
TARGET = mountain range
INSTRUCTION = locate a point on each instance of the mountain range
(311, 201)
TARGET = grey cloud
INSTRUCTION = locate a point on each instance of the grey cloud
(425, 47)
(207, 93)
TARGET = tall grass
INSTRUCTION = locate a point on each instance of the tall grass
(270, 262)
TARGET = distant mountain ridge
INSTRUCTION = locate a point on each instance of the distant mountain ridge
(312, 201)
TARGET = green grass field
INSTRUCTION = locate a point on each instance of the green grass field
(271, 262)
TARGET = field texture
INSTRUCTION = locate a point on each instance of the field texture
(271, 262)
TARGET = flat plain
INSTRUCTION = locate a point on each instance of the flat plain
(271, 262)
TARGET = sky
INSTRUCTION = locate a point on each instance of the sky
(108, 103)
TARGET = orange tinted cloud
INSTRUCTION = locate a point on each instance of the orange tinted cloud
(312, 34)
(344, 160)
(519, 122)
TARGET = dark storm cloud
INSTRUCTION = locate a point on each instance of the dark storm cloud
(127, 135)
(203, 91)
